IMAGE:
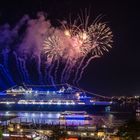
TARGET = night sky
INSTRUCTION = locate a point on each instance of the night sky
(117, 72)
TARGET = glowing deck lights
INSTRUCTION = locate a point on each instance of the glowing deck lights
(41, 114)
(6, 134)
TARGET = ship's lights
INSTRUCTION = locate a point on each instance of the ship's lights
(59, 103)
(26, 114)
(6, 134)
(33, 114)
(41, 114)
(81, 103)
(67, 103)
(7, 112)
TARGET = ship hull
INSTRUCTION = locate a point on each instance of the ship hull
(23, 107)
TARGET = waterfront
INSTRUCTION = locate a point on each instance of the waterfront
(41, 124)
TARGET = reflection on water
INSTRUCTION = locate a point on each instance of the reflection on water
(54, 118)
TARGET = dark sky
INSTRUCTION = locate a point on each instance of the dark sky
(117, 72)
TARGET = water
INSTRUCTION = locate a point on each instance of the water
(53, 118)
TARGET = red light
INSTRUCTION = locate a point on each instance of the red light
(71, 138)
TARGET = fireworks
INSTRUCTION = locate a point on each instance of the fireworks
(100, 37)
(97, 39)
(67, 33)
(60, 54)
(52, 46)
(78, 45)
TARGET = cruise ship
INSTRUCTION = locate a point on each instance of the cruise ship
(51, 98)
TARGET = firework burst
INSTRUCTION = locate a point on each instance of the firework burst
(52, 46)
(100, 38)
